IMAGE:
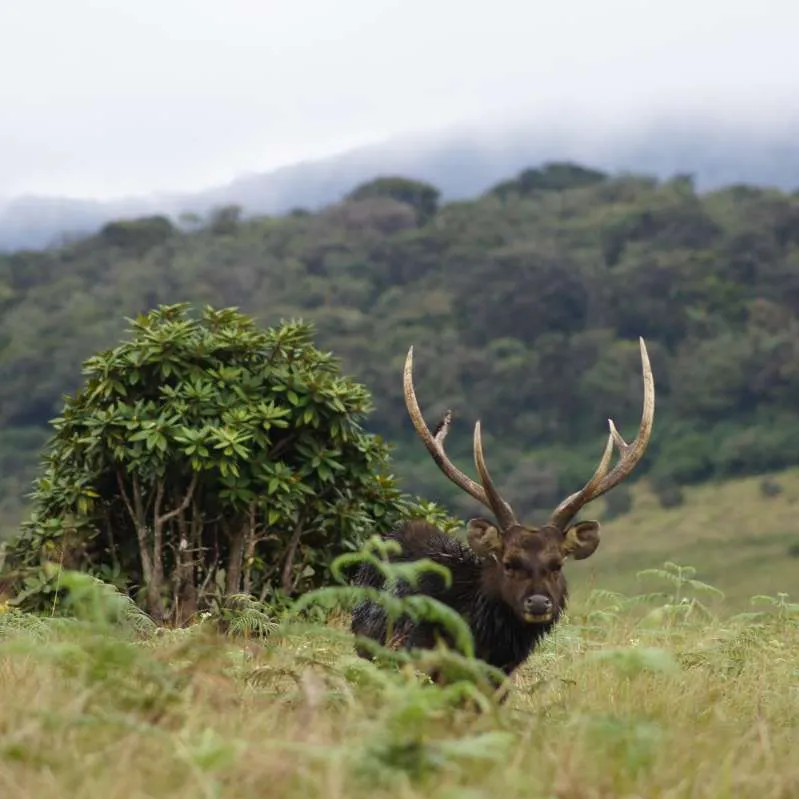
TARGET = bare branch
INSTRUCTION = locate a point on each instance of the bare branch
(126, 499)
(183, 505)
(281, 445)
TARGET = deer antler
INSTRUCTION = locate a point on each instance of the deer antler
(602, 481)
(486, 494)
(502, 510)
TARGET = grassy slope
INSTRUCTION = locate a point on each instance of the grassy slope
(736, 539)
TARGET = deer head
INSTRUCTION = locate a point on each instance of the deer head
(523, 563)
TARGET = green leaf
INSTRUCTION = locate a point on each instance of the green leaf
(264, 420)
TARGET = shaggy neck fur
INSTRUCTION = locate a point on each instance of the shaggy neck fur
(501, 638)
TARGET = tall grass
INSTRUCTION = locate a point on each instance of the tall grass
(651, 695)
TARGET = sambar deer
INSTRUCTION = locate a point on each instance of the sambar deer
(508, 584)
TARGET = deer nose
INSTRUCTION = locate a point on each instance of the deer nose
(538, 604)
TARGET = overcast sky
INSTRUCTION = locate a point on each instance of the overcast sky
(110, 97)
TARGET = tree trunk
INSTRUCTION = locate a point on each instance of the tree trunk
(235, 559)
(185, 592)
(156, 582)
(288, 565)
(156, 585)
(137, 514)
(249, 550)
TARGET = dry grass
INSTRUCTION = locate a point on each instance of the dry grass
(628, 700)
(613, 706)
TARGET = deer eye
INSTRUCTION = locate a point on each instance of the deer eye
(512, 565)
(555, 567)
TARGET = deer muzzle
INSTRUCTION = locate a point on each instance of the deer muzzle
(538, 608)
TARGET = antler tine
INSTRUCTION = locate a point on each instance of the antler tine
(567, 509)
(502, 510)
(435, 443)
(630, 454)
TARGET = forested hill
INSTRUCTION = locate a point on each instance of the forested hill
(524, 306)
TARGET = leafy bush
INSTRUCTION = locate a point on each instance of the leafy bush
(668, 491)
(770, 487)
(206, 457)
(618, 502)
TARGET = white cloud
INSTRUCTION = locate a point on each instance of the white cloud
(107, 97)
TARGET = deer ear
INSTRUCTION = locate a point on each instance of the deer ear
(483, 537)
(581, 540)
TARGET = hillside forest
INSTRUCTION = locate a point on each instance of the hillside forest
(524, 307)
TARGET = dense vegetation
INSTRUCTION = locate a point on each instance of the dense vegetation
(524, 306)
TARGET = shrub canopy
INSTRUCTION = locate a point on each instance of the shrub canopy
(206, 456)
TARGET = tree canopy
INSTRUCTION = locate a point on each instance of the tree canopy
(524, 306)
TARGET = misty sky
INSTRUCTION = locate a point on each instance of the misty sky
(104, 97)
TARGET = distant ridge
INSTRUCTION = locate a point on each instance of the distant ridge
(461, 163)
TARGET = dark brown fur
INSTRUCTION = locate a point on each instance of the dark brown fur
(491, 581)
